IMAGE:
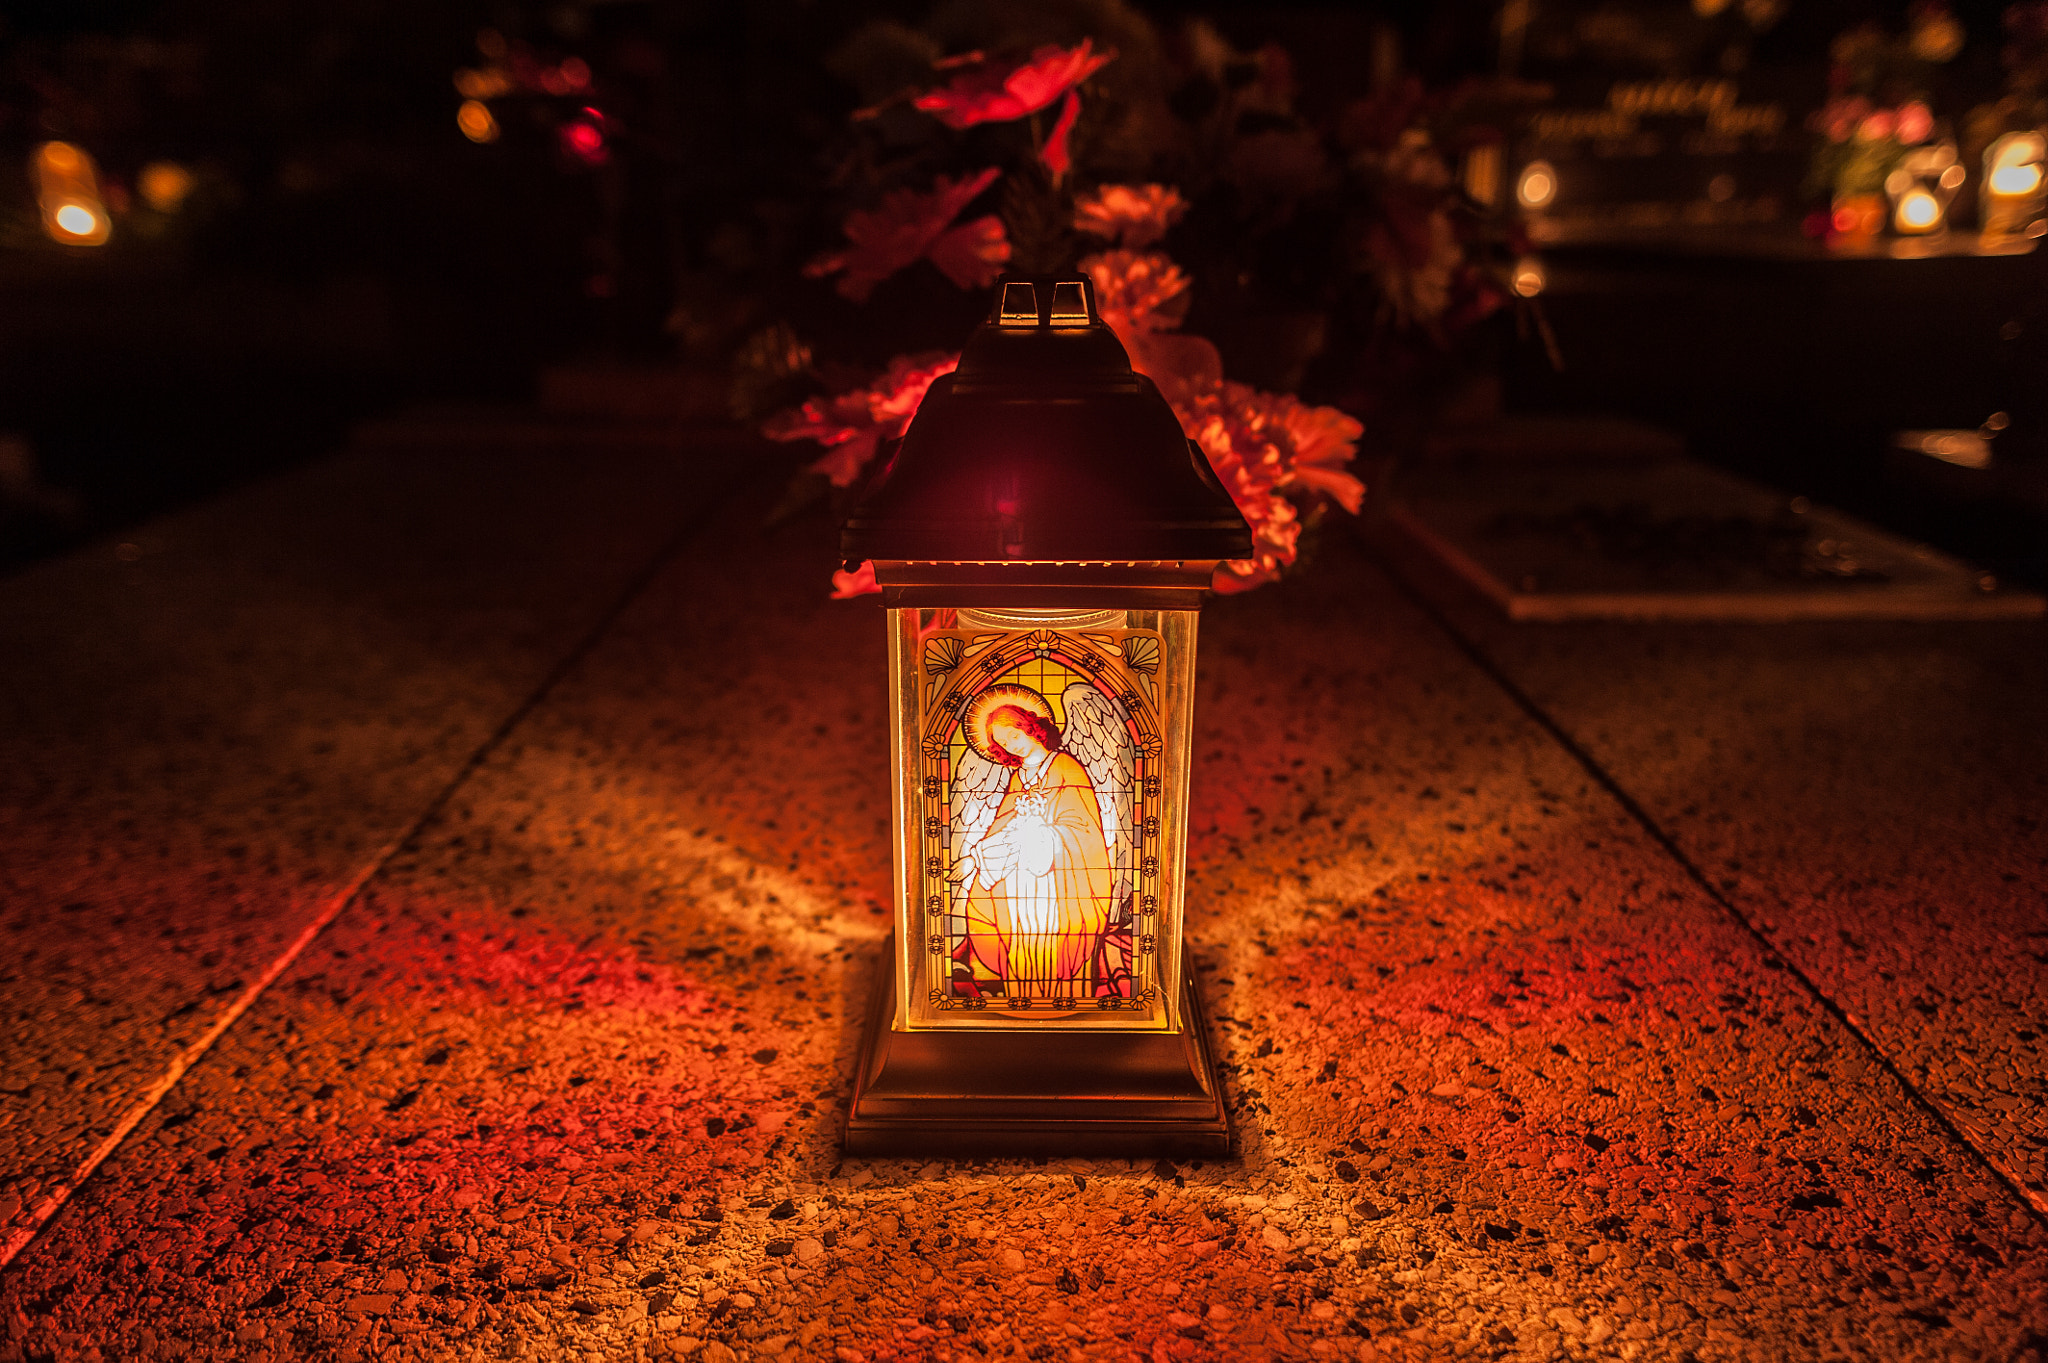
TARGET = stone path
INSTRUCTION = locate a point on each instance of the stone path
(565, 1079)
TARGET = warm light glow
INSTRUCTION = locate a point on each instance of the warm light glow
(1918, 211)
(68, 191)
(1964, 449)
(2013, 185)
(78, 220)
(488, 83)
(1538, 185)
(2014, 148)
(476, 121)
(2016, 180)
(1529, 277)
(1859, 215)
(1482, 173)
(1044, 812)
(165, 185)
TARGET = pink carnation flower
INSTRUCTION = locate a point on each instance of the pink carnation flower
(1132, 216)
(1138, 290)
(1269, 450)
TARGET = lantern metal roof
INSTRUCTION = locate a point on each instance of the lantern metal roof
(1044, 460)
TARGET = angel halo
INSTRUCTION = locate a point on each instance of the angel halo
(981, 714)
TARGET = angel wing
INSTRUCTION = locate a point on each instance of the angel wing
(978, 786)
(1100, 739)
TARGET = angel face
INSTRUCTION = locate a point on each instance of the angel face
(1019, 734)
(1014, 740)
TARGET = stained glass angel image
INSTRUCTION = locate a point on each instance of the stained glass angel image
(1042, 831)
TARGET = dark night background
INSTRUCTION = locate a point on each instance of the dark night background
(346, 252)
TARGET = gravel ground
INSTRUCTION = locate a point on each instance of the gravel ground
(1873, 797)
(567, 1079)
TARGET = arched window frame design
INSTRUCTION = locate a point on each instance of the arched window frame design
(958, 664)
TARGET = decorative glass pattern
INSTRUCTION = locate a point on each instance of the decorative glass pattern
(1039, 787)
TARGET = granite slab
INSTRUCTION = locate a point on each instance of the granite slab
(567, 1080)
(1872, 797)
(213, 725)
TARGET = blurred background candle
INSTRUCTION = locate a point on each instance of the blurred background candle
(2013, 184)
(68, 191)
(1921, 186)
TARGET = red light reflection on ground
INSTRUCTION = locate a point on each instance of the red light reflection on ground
(449, 1119)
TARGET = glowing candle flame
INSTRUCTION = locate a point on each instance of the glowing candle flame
(78, 220)
(1918, 211)
(1538, 185)
(2016, 180)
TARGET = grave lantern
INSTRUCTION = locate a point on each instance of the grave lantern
(68, 191)
(1043, 535)
(1921, 186)
(2015, 188)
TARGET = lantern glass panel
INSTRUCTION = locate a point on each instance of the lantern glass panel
(1041, 782)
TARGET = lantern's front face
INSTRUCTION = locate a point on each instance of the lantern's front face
(1044, 537)
(1041, 815)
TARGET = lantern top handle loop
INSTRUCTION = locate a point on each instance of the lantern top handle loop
(1046, 301)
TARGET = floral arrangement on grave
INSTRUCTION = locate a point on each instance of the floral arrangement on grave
(1339, 255)
(1879, 122)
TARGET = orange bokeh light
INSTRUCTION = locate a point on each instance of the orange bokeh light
(476, 121)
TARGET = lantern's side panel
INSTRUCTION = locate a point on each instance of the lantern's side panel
(1177, 705)
(1041, 816)
(904, 627)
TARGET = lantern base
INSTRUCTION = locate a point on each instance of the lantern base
(994, 1092)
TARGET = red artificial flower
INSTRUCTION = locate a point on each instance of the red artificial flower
(1054, 153)
(906, 227)
(973, 254)
(988, 93)
(1132, 216)
(859, 582)
(851, 425)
